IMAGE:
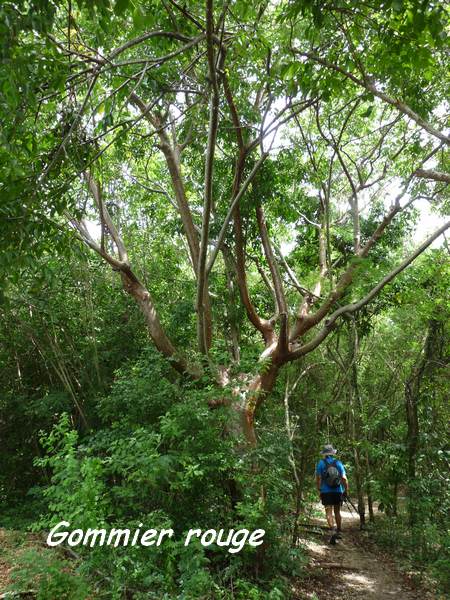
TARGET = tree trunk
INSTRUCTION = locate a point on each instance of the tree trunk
(232, 303)
(369, 489)
(356, 422)
(395, 499)
(359, 488)
(425, 363)
(259, 388)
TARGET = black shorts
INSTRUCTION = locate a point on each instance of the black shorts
(331, 498)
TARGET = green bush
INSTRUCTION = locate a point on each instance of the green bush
(169, 463)
(424, 547)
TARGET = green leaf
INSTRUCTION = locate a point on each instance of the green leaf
(368, 112)
(121, 6)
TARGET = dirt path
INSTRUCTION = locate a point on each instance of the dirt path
(352, 569)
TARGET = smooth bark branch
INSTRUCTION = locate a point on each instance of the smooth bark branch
(147, 36)
(82, 233)
(156, 190)
(187, 15)
(432, 174)
(75, 122)
(292, 276)
(172, 156)
(234, 203)
(303, 320)
(173, 163)
(405, 109)
(273, 266)
(174, 166)
(106, 62)
(371, 87)
(353, 201)
(264, 326)
(283, 341)
(210, 44)
(234, 113)
(202, 275)
(230, 271)
(364, 251)
(350, 308)
(267, 283)
(133, 286)
(238, 192)
(85, 236)
(131, 283)
(160, 60)
(105, 217)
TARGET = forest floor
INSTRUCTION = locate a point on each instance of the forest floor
(354, 569)
(5, 565)
(13, 544)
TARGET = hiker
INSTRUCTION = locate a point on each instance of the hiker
(331, 484)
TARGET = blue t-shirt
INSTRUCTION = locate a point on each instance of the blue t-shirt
(320, 470)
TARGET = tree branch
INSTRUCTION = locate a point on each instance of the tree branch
(371, 87)
(208, 183)
(131, 283)
(273, 266)
(350, 308)
(234, 203)
(105, 217)
(432, 174)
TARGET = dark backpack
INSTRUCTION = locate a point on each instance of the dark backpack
(331, 475)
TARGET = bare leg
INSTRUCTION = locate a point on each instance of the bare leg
(337, 514)
(329, 514)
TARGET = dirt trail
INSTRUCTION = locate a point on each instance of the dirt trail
(352, 569)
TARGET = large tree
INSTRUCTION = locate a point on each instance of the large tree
(223, 130)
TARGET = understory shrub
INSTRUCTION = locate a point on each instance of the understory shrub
(169, 464)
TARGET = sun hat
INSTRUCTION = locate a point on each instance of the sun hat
(328, 449)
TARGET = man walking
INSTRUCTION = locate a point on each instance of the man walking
(331, 483)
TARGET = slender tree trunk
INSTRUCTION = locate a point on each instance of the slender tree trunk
(359, 487)
(412, 444)
(395, 498)
(426, 362)
(232, 303)
(369, 489)
(355, 421)
(290, 431)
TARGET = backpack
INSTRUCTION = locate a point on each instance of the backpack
(331, 475)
